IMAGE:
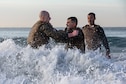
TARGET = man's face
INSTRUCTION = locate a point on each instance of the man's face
(70, 24)
(91, 19)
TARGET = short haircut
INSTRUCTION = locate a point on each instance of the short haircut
(91, 13)
(43, 13)
(74, 19)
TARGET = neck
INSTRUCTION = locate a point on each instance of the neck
(91, 24)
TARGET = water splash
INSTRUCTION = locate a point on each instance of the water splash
(55, 65)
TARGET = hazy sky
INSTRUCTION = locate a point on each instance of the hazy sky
(24, 13)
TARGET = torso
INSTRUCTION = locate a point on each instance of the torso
(92, 38)
(77, 41)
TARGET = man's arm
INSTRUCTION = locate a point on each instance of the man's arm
(105, 42)
(58, 35)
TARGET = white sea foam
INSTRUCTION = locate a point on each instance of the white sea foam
(55, 65)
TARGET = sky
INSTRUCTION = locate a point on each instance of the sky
(24, 13)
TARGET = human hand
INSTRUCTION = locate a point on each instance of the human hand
(108, 55)
(74, 33)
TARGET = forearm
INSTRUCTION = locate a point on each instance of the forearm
(106, 45)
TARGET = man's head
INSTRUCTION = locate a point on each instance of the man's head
(44, 16)
(72, 22)
(91, 18)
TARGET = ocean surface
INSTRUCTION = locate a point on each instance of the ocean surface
(20, 64)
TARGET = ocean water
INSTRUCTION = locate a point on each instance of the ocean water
(20, 64)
